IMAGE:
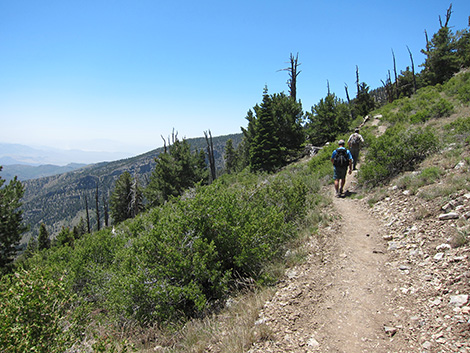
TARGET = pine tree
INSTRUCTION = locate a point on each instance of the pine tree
(43, 238)
(230, 157)
(442, 60)
(176, 170)
(121, 198)
(11, 218)
(327, 119)
(265, 150)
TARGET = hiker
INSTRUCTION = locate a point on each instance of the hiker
(354, 143)
(341, 159)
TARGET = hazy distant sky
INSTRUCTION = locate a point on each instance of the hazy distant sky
(116, 75)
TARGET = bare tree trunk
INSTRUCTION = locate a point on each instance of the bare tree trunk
(396, 76)
(98, 221)
(448, 14)
(293, 73)
(427, 40)
(357, 79)
(106, 212)
(349, 102)
(412, 70)
(210, 154)
(87, 215)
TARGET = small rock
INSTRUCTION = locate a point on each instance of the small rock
(439, 256)
(447, 207)
(387, 237)
(458, 300)
(447, 216)
(443, 247)
(404, 267)
(389, 330)
(427, 345)
(312, 342)
(436, 302)
(466, 215)
(460, 165)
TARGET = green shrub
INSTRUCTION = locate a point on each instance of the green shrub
(459, 128)
(459, 86)
(397, 150)
(35, 313)
(441, 108)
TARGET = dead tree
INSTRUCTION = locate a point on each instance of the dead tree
(349, 102)
(396, 76)
(210, 154)
(98, 222)
(388, 88)
(293, 73)
(412, 70)
(106, 212)
(357, 79)
(448, 14)
(87, 215)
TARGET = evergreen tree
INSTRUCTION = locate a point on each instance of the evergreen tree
(463, 47)
(274, 132)
(124, 194)
(176, 170)
(364, 102)
(43, 238)
(265, 150)
(288, 119)
(441, 60)
(11, 218)
(30, 249)
(327, 119)
(230, 156)
(79, 229)
(65, 237)
(136, 203)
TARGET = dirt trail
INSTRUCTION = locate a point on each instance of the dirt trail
(341, 299)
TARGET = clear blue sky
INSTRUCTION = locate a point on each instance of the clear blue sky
(116, 75)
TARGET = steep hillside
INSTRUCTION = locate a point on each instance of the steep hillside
(59, 200)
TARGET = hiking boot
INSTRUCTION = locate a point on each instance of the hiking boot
(341, 190)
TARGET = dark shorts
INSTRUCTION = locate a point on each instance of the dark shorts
(340, 172)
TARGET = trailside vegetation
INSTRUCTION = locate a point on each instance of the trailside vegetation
(11, 226)
(174, 262)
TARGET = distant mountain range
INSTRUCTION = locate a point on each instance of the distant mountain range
(59, 200)
(11, 154)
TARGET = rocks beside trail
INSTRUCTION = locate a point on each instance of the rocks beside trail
(427, 243)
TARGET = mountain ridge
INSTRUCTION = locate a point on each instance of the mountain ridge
(59, 200)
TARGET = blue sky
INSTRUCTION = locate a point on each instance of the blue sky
(116, 75)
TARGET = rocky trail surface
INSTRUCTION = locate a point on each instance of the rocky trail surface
(380, 279)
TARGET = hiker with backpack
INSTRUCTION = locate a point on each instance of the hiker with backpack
(355, 142)
(341, 159)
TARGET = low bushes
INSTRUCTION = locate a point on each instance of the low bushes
(176, 261)
(399, 149)
(35, 313)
